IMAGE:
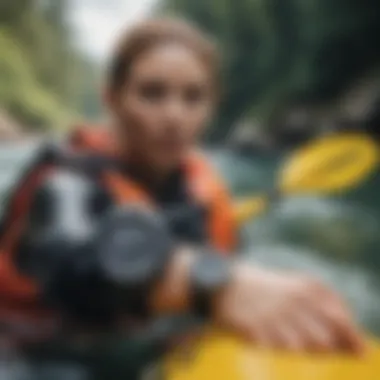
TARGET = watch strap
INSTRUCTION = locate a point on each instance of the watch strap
(210, 274)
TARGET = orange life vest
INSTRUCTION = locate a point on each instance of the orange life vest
(17, 292)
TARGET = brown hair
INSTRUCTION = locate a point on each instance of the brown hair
(151, 33)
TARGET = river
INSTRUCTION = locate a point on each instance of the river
(336, 239)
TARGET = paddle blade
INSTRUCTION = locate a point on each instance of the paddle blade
(246, 209)
(224, 358)
(330, 164)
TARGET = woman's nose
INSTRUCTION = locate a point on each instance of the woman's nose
(174, 111)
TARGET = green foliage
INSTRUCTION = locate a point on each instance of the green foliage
(45, 81)
(280, 51)
(20, 92)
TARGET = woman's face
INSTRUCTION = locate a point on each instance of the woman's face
(164, 105)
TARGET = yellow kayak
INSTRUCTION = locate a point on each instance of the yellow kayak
(328, 165)
(221, 357)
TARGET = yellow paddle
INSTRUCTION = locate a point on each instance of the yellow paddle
(329, 165)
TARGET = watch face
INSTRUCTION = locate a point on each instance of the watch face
(212, 272)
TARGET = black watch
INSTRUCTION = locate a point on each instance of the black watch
(210, 273)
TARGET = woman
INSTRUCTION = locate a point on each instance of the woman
(162, 91)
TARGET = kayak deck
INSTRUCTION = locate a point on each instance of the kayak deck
(224, 358)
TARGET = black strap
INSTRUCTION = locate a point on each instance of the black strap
(46, 155)
(89, 164)
(53, 154)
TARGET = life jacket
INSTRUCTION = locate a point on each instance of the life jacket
(20, 293)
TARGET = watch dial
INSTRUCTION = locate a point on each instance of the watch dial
(212, 272)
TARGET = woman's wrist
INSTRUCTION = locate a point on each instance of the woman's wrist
(194, 281)
(172, 293)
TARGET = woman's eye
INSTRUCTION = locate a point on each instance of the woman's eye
(194, 95)
(153, 92)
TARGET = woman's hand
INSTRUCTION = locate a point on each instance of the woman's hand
(286, 311)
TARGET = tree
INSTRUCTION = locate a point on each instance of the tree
(40, 31)
(279, 50)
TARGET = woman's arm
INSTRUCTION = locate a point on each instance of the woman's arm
(273, 309)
